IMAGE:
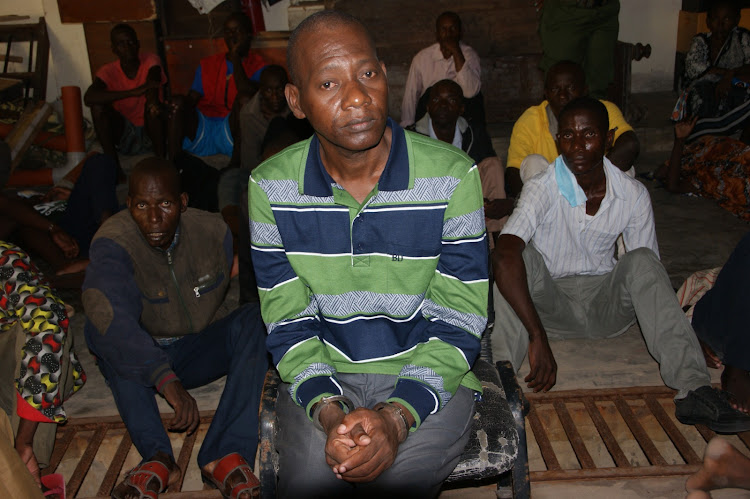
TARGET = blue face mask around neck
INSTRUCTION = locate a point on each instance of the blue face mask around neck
(567, 184)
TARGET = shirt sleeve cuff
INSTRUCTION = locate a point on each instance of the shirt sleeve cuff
(26, 411)
(419, 398)
(313, 389)
(162, 376)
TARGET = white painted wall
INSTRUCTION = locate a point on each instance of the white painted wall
(275, 16)
(69, 60)
(653, 22)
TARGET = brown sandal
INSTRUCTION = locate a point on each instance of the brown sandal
(224, 468)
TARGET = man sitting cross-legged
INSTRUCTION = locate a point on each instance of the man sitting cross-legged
(532, 142)
(158, 274)
(557, 275)
(371, 260)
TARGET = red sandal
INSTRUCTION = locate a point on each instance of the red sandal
(139, 477)
(224, 469)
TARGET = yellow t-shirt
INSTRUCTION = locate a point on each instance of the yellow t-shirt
(531, 133)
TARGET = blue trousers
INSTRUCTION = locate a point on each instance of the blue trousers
(233, 346)
(721, 317)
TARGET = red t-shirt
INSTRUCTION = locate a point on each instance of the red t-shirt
(219, 88)
(113, 76)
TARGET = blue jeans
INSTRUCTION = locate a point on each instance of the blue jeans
(233, 346)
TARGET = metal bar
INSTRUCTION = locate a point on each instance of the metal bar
(652, 453)
(195, 494)
(705, 432)
(584, 458)
(540, 435)
(599, 473)
(71, 489)
(677, 438)
(61, 446)
(609, 440)
(7, 54)
(114, 422)
(108, 483)
(636, 392)
(183, 460)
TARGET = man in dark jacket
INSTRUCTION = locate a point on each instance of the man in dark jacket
(158, 274)
(443, 121)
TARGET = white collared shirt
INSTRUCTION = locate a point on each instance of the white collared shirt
(429, 67)
(458, 140)
(573, 243)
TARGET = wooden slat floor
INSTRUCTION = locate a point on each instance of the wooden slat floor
(572, 435)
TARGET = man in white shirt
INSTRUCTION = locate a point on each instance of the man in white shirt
(450, 59)
(556, 272)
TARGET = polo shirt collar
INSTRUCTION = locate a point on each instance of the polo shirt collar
(395, 177)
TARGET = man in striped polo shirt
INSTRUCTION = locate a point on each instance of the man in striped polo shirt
(370, 253)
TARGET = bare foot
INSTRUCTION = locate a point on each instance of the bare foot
(723, 467)
(736, 382)
(698, 494)
(127, 490)
(712, 360)
(75, 267)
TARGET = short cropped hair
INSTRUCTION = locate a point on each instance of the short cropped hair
(154, 166)
(571, 67)
(121, 28)
(325, 18)
(450, 14)
(588, 104)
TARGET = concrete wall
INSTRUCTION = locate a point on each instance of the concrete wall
(653, 22)
(69, 63)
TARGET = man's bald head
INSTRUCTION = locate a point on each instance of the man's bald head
(323, 19)
(156, 167)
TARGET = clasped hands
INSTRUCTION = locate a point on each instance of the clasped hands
(361, 444)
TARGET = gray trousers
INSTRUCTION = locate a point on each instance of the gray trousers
(423, 462)
(605, 306)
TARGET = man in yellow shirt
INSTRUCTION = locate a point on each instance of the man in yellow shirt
(532, 143)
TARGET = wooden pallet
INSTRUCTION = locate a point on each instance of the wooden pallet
(91, 433)
(572, 435)
(614, 433)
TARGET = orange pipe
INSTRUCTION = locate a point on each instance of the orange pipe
(73, 116)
